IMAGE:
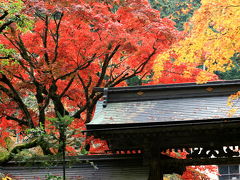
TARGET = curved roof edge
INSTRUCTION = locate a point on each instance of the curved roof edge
(170, 86)
(169, 91)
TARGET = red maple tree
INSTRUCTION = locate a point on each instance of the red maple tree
(74, 46)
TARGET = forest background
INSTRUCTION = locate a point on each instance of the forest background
(53, 53)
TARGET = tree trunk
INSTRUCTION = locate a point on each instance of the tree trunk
(45, 149)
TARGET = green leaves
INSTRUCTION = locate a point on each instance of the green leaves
(5, 56)
(178, 10)
(11, 6)
(3, 153)
(35, 132)
(6, 52)
(13, 9)
(53, 177)
(234, 72)
(63, 134)
(24, 24)
(61, 122)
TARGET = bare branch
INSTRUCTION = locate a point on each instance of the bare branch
(115, 66)
(67, 87)
(78, 113)
(13, 94)
(57, 37)
(20, 121)
(45, 39)
(142, 66)
(24, 52)
(80, 67)
(138, 70)
(14, 75)
(6, 57)
(4, 15)
(105, 65)
(86, 87)
(5, 25)
(87, 97)
(19, 45)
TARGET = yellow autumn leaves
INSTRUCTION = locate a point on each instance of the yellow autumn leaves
(7, 178)
(213, 35)
(172, 177)
(233, 103)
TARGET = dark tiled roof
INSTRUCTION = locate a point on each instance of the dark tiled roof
(180, 109)
(166, 104)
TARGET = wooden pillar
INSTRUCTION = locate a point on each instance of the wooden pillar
(157, 162)
(153, 155)
(155, 170)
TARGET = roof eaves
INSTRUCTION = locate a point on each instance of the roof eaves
(112, 127)
(170, 86)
